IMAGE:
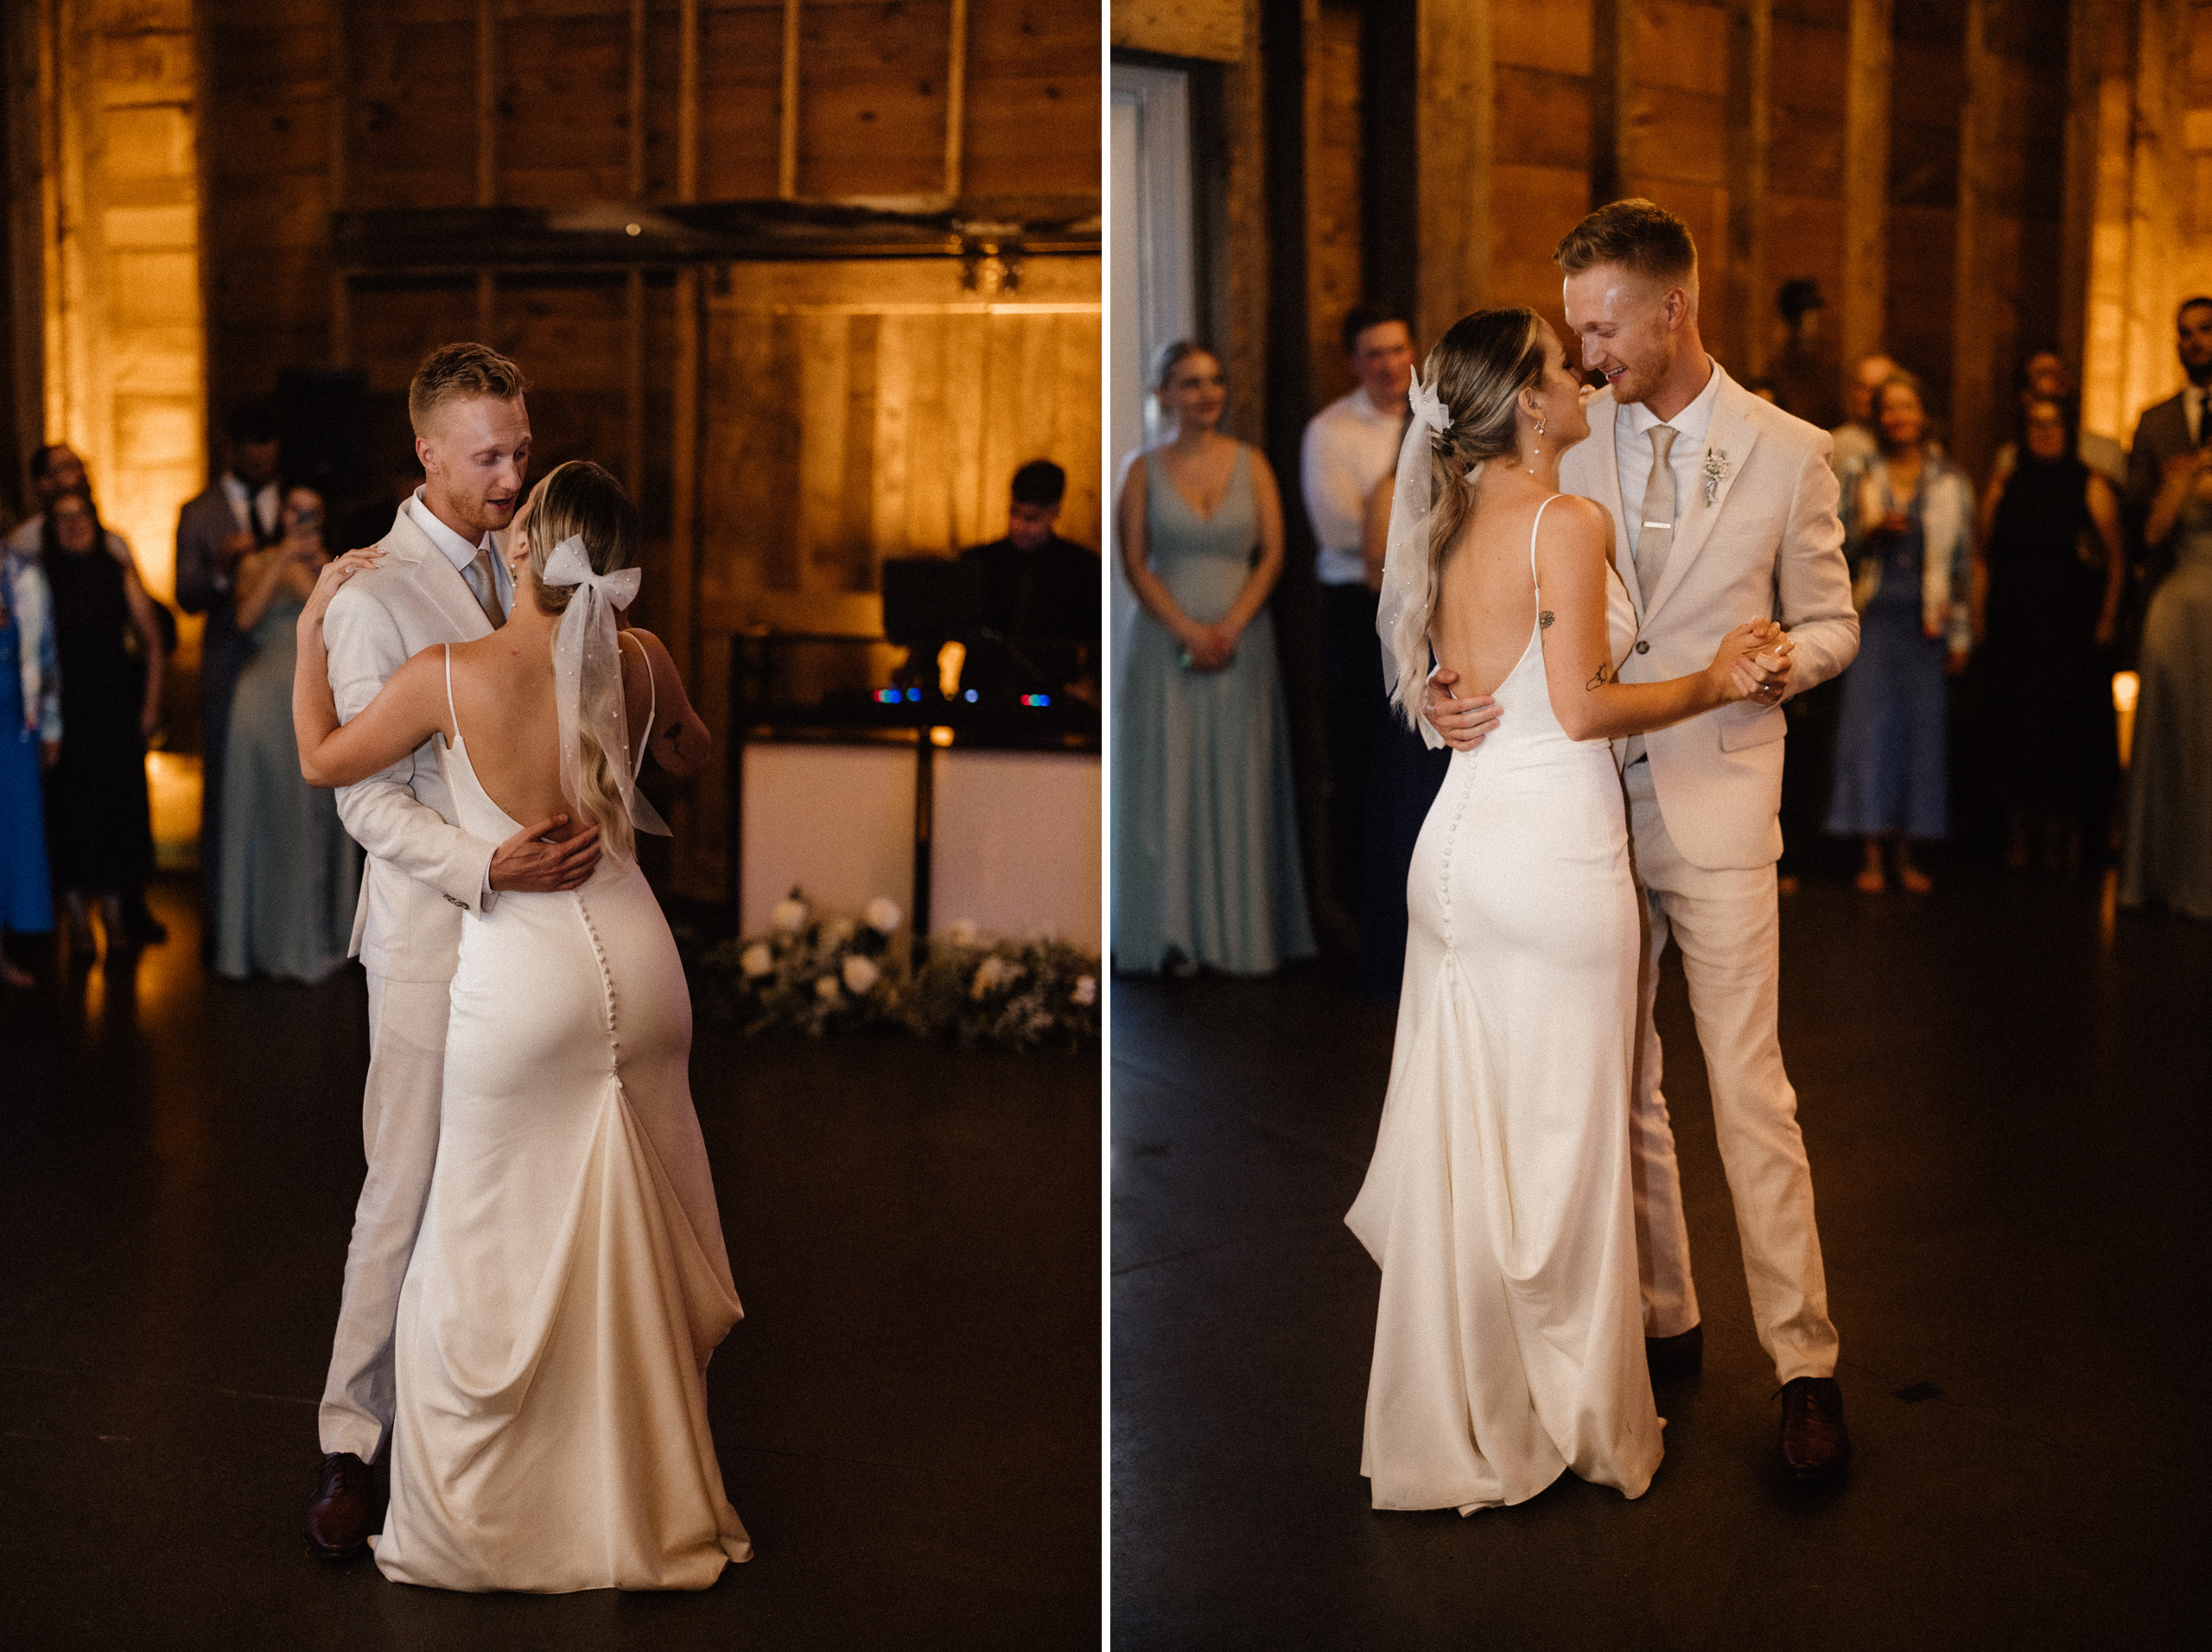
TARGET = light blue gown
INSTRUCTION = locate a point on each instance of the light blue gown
(290, 875)
(1206, 869)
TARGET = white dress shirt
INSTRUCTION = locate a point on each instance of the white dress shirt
(1350, 447)
(458, 551)
(1633, 450)
(265, 504)
(2192, 409)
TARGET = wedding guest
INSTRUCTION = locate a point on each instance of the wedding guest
(55, 469)
(240, 511)
(2168, 855)
(2046, 615)
(31, 738)
(290, 876)
(1908, 519)
(1350, 448)
(2166, 438)
(2045, 377)
(1804, 372)
(1856, 441)
(1206, 869)
(1041, 594)
(98, 827)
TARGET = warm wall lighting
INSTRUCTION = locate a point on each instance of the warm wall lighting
(950, 659)
(173, 780)
(2126, 685)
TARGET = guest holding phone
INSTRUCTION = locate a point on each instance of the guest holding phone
(290, 876)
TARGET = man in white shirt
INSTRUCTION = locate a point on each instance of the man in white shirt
(441, 580)
(2176, 434)
(242, 509)
(1350, 447)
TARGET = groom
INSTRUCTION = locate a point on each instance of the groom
(1723, 508)
(441, 580)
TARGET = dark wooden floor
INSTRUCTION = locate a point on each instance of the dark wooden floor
(2006, 1093)
(908, 1419)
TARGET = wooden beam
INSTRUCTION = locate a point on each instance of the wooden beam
(341, 116)
(1455, 90)
(1242, 287)
(2087, 21)
(1864, 318)
(487, 104)
(687, 101)
(1983, 318)
(1612, 99)
(637, 99)
(1750, 307)
(787, 143)
(955, 103)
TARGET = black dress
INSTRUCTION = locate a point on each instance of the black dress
(99, 829)
(2047, 694)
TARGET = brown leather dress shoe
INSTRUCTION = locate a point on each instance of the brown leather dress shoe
(1815, 1443)
(338, 1519)
(1671, 1358)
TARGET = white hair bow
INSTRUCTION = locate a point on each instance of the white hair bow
(588, 677)
(1429, 406)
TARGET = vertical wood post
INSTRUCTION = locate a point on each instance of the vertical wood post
(1455, 89)
(956, 102)
(487, 104)
(341, 118)
(1982, 319)
(686, 426)
(1612, 92)
(1750, 308)
(1865, 318)
(1247, 277)
(787, 145)
(2087, 22)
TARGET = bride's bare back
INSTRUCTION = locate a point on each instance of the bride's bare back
(1486, 595)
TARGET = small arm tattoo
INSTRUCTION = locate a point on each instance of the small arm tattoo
(1605, 675)
(1544, 620)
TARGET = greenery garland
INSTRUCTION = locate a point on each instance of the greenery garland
(816, 974)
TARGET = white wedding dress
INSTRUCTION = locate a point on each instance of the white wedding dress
(570, 1280)
(1509, 1344)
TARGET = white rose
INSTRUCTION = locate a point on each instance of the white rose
(789, 918)
(826, 990)
(861, 975)
(835, 932)
(1086, 989)
(883, 915)
(758, 960)
(961, 931)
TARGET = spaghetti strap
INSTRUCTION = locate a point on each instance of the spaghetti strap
(450, 712)
(1533, 526)
(653, 709)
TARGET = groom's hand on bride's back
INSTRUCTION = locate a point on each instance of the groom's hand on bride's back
(527, 864)
(1463, 723)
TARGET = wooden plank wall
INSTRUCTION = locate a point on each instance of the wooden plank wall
(1735, 114)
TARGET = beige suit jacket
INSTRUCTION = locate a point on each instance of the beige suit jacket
(1768, 546)
(424, 871)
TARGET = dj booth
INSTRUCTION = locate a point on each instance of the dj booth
(964, 785)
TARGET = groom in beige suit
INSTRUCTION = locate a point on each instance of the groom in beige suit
(442, 580)
(1724, 510)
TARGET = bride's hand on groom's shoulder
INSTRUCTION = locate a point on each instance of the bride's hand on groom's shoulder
(334, 574)
(1463, 723)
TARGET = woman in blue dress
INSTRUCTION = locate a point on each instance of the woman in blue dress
(1908, 521)
(1206, 869)
(290, 875)
(30, 738)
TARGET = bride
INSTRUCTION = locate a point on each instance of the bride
(1508, 1342)
(570, 1282)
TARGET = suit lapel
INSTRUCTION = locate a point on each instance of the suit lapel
(1592, 469)
(437, 579)
(1728, 442)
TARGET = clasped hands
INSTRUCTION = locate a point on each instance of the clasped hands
(1212, 647)
(1760, 672)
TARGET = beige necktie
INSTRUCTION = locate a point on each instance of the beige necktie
(484, 585)
(1654, 535)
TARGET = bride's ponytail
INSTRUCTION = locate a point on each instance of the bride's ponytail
(582, 500)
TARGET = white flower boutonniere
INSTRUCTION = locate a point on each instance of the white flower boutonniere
(1716, 470)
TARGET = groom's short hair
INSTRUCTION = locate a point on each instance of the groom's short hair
(455, 372)
(1638, 235)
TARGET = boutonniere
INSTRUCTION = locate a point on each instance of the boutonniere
(1716, 470)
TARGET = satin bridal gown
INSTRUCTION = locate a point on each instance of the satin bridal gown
(1509, 1344)
(570, 1280)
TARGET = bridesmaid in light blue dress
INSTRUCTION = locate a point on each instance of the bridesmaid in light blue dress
(1206, 869)
(290, 875)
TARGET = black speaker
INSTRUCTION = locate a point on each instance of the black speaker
(929, 599)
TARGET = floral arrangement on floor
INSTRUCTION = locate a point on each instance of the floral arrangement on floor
(813, 974)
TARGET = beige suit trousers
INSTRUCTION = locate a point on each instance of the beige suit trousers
(1726, 924)
(399, 1132)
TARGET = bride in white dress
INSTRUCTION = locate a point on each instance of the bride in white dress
(1508, 1344)
(570, 1282)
